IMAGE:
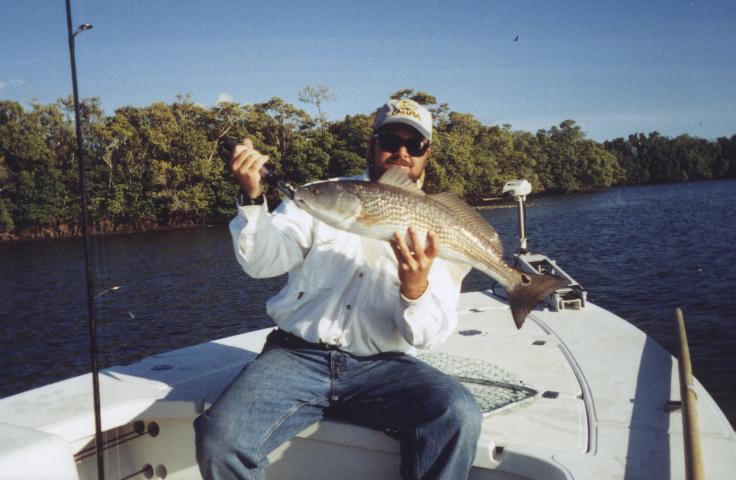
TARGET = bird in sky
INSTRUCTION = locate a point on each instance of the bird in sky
(516, 39)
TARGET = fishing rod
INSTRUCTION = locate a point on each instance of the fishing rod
(85, 232)
(267, 174)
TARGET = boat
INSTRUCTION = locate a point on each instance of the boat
(577, 393)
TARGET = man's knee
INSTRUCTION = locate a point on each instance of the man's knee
(462, 412)
(217, 451)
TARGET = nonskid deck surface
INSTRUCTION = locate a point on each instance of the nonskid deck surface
(600, 387)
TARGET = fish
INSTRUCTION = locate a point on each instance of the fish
(393, 203)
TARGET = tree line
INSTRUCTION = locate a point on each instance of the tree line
(160, 166)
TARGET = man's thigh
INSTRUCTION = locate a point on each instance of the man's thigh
(275, 396)
(401, 392)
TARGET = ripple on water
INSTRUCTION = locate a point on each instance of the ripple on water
(639, 251)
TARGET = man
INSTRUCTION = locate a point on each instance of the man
(350, 318)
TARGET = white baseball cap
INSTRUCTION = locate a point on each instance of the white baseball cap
(407, 112)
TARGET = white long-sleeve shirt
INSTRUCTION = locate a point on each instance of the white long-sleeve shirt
(342, 289)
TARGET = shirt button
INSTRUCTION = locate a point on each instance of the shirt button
(349, 307)
(360, 275)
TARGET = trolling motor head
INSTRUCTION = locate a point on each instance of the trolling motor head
(519, 189)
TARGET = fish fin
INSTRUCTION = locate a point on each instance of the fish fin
(526, 294)
(469, 217)
(397, 178)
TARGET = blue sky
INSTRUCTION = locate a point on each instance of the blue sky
(616, 67)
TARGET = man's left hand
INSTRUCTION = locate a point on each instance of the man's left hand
(414, 261)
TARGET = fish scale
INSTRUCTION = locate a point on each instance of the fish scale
(379, 209)
(400, 208)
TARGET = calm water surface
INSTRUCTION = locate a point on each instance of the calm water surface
(639, 251)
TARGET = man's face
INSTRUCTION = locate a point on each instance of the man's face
(381, 158)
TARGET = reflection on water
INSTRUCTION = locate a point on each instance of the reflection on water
(639, 251)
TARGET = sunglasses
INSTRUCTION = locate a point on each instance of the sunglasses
(392, 143)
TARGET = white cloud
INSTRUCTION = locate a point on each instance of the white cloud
(13, 82)
(224, 97)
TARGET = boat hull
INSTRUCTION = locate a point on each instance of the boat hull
(598, 409)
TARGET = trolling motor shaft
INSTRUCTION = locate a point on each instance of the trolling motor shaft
(522, 223)
(268, 175)
(519, 189)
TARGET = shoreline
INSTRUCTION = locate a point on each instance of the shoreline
(65, 232)
(75, 232)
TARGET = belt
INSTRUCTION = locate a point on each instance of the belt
(286, 339)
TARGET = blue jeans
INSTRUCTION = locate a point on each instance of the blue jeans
(292, 384)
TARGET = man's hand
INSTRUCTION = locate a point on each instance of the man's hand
(246, 163)
(414, 262)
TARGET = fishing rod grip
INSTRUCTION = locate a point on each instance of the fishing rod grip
(268, 176)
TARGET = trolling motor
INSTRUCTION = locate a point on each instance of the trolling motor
(268, 176)
(519, 189)
(573, 296)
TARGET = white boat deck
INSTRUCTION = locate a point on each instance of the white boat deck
(600, 410)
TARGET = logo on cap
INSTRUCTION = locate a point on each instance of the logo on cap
(409, 113)
(405, 107)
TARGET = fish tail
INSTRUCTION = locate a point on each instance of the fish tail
(529, 291)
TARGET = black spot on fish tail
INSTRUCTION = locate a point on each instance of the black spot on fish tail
(529, 291)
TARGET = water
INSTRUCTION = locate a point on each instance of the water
(639, 251)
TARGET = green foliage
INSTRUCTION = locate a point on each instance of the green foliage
(656, 159)
(345, 163)
(317, 96)
(353, 132)
(304, 161)
(6, 221)
(160, 165)
(570, 162)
